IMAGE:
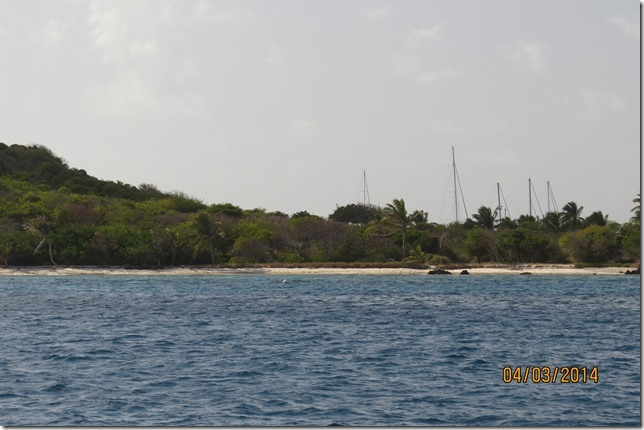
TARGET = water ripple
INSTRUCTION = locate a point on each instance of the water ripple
(319, 350)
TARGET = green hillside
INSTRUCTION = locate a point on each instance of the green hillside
(37, 165)
(52, 214)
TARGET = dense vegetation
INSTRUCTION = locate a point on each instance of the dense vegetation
(53, 214)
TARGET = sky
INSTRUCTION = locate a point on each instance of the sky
(286, 104)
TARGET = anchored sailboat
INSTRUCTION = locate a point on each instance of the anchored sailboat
(364, 190)
(499, 212)
(531, 191)
(457, 180)
(551, 195)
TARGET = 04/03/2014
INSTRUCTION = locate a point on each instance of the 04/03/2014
(547, 374)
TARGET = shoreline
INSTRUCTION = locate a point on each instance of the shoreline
(533, 269)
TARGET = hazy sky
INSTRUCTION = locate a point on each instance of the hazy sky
(282, 104)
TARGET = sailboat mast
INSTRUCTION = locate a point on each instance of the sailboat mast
(498, 194)
(365, 189)
(455, 189)
(530, 195)
(548, 184)
(551, 195)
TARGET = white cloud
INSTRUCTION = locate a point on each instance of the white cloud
(446, 127)
(302, 128)
(429, 78)
(121, 31)
(206, 11)
(131, 94)
(136, 40)
(377, 14)
(528, 56)
(406, 65)
(184, 72)
(418, 37)
(53, 33)
(497, 124)
(410, 67)
(629, 27)
(111, 26)
(409, 62)
(274, 57)
(143, 48)
(596, 104)
(127, 94)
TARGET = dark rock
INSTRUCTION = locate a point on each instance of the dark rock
(633, 272)
(439, 272)
(464, 272)
(525, 273)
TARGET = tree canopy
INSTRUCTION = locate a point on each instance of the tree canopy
(53, 214)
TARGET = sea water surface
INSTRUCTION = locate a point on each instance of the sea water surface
(253, 350)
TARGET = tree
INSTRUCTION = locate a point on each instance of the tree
(554, 221)
(47, 207)
(172, 240)
(523, 243)
(320, 239)
(16, 245)
(354, 214)
(636, 209)
(484, 218)
(208, 232)
(593, 244)
(301, 214)
(419, 218)
(6, 247)
(629, 235)
(261, 238)
(506, 222)
(396, 213)
(526, 221)
(249, 249)
(185, 204)
(480, 243)
(73, 243)
(572, 215)
(597, 218)
(42, 226)
(227, 209)
(144, 248)
(108, 243)
(417, 255)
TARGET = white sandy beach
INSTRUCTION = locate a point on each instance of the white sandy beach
(534, 269)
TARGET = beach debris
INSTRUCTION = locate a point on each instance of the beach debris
(439, 272)
(632, 272)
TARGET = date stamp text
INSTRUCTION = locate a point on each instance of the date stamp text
(550, 375)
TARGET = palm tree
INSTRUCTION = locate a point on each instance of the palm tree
(636, 209)
(172, 240)
(208, 233)
(554, 221)
(484, 218)
(396, 213)
(41, 226)
(418, 218)
(572, 215)
(506, 222)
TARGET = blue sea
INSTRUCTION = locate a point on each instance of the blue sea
(262, 350)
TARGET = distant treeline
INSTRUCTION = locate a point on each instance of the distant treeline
(53, 214)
